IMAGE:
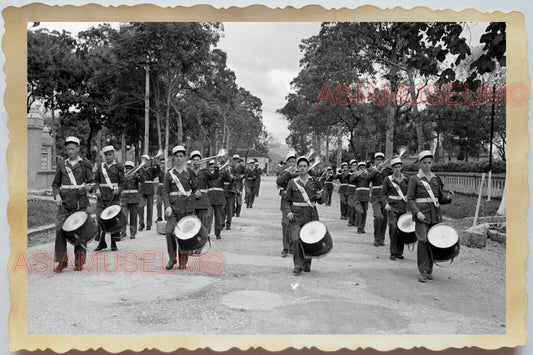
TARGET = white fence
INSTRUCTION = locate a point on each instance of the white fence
(468, 183)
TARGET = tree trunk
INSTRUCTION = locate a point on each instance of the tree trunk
(339, 146)
(158, 122)
(180, 128)
(147, 111)
(327, 149)
(502, 208)
(419, 131)
(389, 133)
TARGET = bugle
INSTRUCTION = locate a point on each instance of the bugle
(222, 153)
(315, 163)
(131, 172)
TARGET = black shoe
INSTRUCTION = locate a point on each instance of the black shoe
(182, 267)
(429, 277)
(218, 237)
(422, 277)
(159, 219)
(114, 247)
(148, 228)
(237, 215)
(170, 264)
(381, 244)
(78, 268)
(297, 271)
(60, 267)
(141, 226)
(307, 269)
(392, 257)
(101, 246)
(399, 256)
(376, 244)
(132, 237)
(284, 253)
(228, 228)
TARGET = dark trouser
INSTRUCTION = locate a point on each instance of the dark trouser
(329, 190)
(219, 218)
(238, 204)
(132, 212)
(250, 197)
(380, 221)
(424, 257)
(361, 208)
(396, 243)
(344, 205)
(172, 245)
(304, 215)
(351, 215)
(230, 201)
(148, 201)
(159, 206)
(61, 242)
(286, 230)
(206, 217)
(100, 206)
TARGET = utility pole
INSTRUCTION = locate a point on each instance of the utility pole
(147, 110)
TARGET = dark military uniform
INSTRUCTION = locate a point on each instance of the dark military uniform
(229, 193)
(362, 196)
(182, 204)
(257, 181)
(283, 179)
(159, 194)
(239, 173)
(108, 196)
(202, 206)
(328, 187)
(73, 199)
(418, 200)
(344, 179)
(217, 199)
(249, 184)
(378, 201)
(147, 191)
(350, 200)
(398, 206)
(302, 213)
(130, 200)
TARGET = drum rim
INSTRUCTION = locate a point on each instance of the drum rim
(118, 209)
(442, 226)
(308, 225)
(85, 214)
(406, 216)
(192, 233)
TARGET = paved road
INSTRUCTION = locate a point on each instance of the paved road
(244, 286)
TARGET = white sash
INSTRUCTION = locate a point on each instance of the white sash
(71, 175)
(303, 192)
(106, 177)
(397, 188)
(178, 183)
(430, 192)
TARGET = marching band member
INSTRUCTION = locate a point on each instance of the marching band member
(328, 184)
(179, 186)
(395, 192)
(201, 205)
(72, 181)
(109, 179)
(343, 178)
(229, 193)
(216, 195)
(130, 198)
(375, 176)
(303, 192)
(361, 196)
(249, 184)
(150, 171)
(425, 194)
(257, 181)
(283, 177)
(159, 190)
(239, 173)
(350, 194)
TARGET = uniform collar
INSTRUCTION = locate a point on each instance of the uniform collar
(421, 175)
(77, 160)
(176, 169)
(112, 163)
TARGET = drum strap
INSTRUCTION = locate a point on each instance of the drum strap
(178, 183)
(397, 188)
(71, 175)
(106, 176)
(303, 192)
(430, 192)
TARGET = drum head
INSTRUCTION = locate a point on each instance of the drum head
(312, 232)
(111, 212)
(187, 227)
(406, 223)
(75, 221)
(442, 236)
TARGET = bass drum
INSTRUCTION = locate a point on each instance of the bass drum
(444, 242)
(190, 233)
(79, 228)
(406, 228)
(316, 240)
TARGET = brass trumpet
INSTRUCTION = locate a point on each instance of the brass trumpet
(315, 163)
(222, 153)
(131, 172)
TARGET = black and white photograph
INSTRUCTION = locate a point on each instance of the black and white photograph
(267, 178)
